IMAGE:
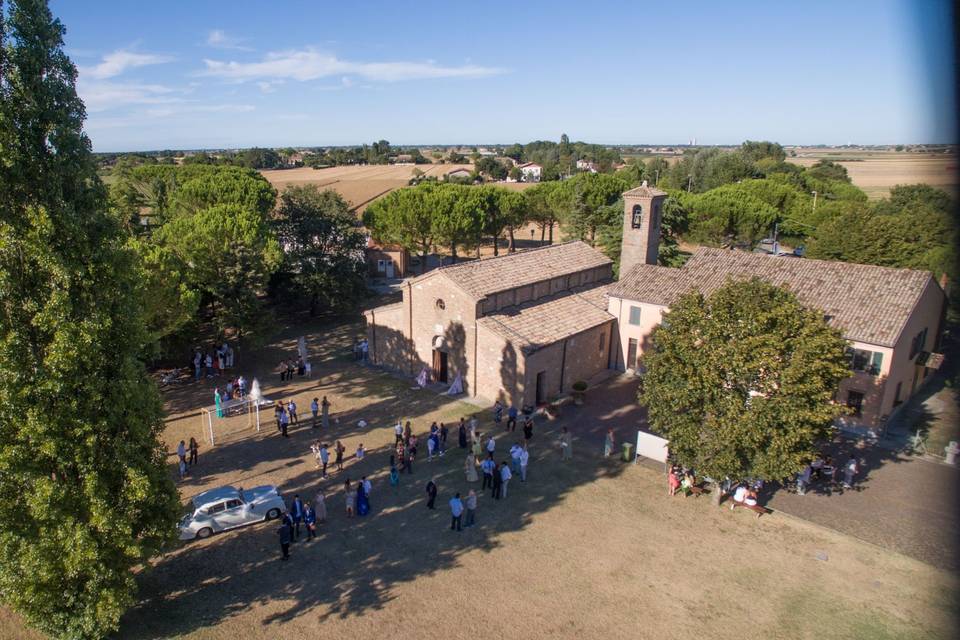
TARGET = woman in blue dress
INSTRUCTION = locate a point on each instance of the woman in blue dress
(363, 503)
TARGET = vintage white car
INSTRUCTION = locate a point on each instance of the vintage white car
(228, 507)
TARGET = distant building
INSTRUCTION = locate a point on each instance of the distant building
(458, 173)
(403, 158)
(386, 260)
(531, 171)
(584, 165)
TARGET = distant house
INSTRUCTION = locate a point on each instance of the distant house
(458, 173)
(404, 158)
(295, 160)
(585, 165)
(386, 260)
(531, 171)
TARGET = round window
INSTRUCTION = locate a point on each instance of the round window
(440, 304)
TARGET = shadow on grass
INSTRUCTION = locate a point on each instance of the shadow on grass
(357, 565)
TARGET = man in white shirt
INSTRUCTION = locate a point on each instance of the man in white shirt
(456, 511)
(367, 485)
(515, 457)
(491, 445)
(524, 459)
(505, 476)
(398, 432)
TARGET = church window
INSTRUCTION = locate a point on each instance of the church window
(637, 216)
(440, 304)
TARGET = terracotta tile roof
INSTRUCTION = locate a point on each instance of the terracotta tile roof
(536, 324)
(866, 302)
(645, 192)
(481, 278)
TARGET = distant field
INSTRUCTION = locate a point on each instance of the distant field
(876, 172)
(359, 185)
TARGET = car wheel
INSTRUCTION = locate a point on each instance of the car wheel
(273, 514)
(206, 532)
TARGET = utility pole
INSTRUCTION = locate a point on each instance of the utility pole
(690, 185)
(814, 201)
(657, 181)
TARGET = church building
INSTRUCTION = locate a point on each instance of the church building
(524, 327)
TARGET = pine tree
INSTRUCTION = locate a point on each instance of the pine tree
(84, 494)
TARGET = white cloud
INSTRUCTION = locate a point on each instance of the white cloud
(219, 39)
(166, 112)
(101, 96)
(310, 64)
(113, 64)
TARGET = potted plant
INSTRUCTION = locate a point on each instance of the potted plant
(579, 390)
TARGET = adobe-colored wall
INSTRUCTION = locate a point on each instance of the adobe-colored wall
(456, 322)
(584, 360)
(927, 314)
(499, 368)
(386, 337)
(650, 315)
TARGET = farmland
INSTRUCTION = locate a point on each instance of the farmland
(876, 172)
(362, 184)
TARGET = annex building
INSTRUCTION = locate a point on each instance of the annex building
(525, 326)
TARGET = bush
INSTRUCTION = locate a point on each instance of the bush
(580, 386)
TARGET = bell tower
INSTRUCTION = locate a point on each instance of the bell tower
(642, 211)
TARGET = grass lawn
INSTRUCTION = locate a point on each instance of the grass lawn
(595, 549)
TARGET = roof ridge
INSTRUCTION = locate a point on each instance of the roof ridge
(511, 254)
(760, 256)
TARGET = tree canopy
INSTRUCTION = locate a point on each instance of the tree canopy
(742, 382)
(322, 243)
(84, 492)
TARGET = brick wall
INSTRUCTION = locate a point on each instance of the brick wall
(584, 359)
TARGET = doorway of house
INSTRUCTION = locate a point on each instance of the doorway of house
(389, 269)
(541, 388)
(439, 365)
(631, 362)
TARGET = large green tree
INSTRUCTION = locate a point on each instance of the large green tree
(84, 493)
(322, 244)
(742, 382)
(232, 252)
(404, 217)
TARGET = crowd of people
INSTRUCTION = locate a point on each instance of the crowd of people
(213, 362)
(824, 471)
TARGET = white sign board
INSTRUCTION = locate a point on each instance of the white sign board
(651, 446)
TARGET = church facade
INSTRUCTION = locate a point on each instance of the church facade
(524, 327)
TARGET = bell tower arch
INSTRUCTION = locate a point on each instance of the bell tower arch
(642, 213)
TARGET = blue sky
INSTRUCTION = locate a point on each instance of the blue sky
(180, 74)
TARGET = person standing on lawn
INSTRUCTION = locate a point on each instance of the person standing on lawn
(471, 506)
(608, 444)
(339, 450)
(431, 493)
(292, 410)
(497, 480)
(803, 479)
(398, 433)
(505, 476)
(325, 413)
(477, 447)
(487, 466)
(497, 412)
(849, 470)
(512, 418)
(456, 512)
(296, 510)
(284, 420)
(324, 459)
(320, 506)
(182, 452)
(515, 457)
(407, 432)
(527, 429)
(462, 434)
(470, 468)
(310, 521)
(194, 450)
(444, 432)
(286, 537)
(314, 410)
(524, 461)
(491, 445)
